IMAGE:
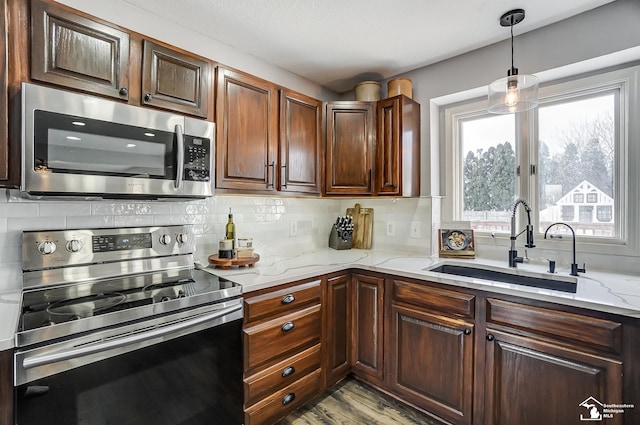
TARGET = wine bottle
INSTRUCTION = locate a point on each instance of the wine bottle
(231, 230)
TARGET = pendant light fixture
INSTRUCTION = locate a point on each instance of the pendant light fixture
(515, 92)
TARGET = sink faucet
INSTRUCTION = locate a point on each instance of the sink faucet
(574, 266)
(513, 254)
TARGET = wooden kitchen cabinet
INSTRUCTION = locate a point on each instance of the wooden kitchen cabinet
(175, 80)
(247, 132)
(79, 52)
(5, 148)
(300, 143)
(6, 387)
(397, 166)
(73, 51)
(430, 355)
(337, 363)
(350, 134)
(367, 303)
(557, 358)
(282, 349)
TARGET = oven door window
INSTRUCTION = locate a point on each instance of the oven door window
(73, 145)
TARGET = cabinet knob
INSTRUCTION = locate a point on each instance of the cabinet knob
(490, 337)
(467, 331)
(288, 398)
(123, 91)
(148, 97)
(289, 370)
(288, 299)
(288, 326)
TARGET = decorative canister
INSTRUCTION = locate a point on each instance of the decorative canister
(368, 90)
(399, 86)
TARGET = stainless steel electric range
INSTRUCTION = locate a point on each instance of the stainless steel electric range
(116, 319)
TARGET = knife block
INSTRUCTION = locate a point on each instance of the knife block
(336, 242)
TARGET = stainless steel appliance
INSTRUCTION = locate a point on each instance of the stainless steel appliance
(75, 144)
(118, 327)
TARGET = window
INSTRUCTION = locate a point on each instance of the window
(569, 152)
(568, 212)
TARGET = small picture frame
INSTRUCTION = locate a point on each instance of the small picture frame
(457, 243)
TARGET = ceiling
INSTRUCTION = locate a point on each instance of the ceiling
(338, 43)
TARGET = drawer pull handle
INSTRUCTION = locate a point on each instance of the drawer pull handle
(288, 398)
(288, 299)
(288, 326)
(289, 370)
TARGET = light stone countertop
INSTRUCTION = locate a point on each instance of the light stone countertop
(600, 291)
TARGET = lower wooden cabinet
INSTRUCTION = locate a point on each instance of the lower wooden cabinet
(6, 387)
(531, 383)
(431, 362)
(367, 333)
(338, 329)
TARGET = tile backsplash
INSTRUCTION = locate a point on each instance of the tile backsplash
(267, 219)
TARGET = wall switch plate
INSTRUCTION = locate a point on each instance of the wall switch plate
(415, 230)
(293, 228)
(391, 228)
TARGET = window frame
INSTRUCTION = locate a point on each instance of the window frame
(625, 82)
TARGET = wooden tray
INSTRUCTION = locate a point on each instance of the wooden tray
(227, 263)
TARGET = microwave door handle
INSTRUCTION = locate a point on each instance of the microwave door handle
(179, 156)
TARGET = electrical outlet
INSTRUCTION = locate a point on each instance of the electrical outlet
(293, 228)
(391, 228)
(415, 229)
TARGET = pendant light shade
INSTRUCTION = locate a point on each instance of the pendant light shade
(513, 93)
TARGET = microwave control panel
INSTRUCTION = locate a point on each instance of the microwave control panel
(197, 159)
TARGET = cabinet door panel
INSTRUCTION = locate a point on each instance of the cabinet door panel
(76, 52)
(174, 80)
(432, 362)
(350, 140)
(246, 132)
(367, 345)
(532, 383)
(300, 143)
(338, 333)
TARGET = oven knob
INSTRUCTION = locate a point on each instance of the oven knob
(47, 247)
(165, 239)
(165, 299)
(181, 238)
(74, 245)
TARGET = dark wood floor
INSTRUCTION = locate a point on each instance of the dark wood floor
(353, 403)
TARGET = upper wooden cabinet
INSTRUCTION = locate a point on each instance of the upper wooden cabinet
(247, 132)
(76, 52)
(398, 147)
(73, 50)
(300, 143)
(350, 148)
(175, 80)
(4, 112)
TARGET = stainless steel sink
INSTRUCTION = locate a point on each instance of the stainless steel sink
(565, 284)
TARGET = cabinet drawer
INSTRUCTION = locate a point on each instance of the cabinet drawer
(599, 333)
(280, 336)
(281, 374)
(284, 401)
(450, 302)
(281, 301)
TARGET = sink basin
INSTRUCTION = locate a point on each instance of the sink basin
(518, 277)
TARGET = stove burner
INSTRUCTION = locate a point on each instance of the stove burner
(84, 307)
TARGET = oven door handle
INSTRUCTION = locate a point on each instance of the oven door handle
(179, 156)
(120, 342)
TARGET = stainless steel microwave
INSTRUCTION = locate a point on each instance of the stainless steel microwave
(79, 145)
